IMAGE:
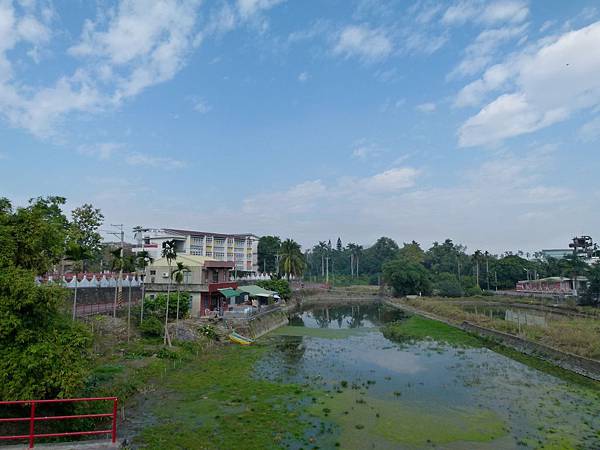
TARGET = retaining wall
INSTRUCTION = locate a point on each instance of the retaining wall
(260, 325)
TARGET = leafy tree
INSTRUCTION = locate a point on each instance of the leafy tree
(509, 270)
(292, 260)
(38, 233)
(591, 296)
(268, 248)
(407, 277)
(83, 232)
(447, 257)
(42, 353)
(412, 252)
(384, 249)
(339, 245)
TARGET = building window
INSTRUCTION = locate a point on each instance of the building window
(215, 276)
(153, 272)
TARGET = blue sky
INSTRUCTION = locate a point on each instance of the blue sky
(478, 121)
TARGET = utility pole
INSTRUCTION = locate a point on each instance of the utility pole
(487, 269)
(277, 256)
(327, 270)
(496, 279)
(119, 288)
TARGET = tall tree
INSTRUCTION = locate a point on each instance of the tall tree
(339, 247)
(268, 249)
(412, 252)
(407, 277)
(169, 252)
(292, 259)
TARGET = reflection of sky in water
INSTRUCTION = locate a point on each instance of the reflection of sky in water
(431, 374)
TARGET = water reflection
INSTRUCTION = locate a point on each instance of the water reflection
(522, 316)
(421, 378)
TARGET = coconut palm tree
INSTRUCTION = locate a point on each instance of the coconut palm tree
(292, 260)
(179, 275)
(169, 252)
(142, 261)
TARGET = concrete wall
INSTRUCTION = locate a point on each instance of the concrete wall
(92, 296)
(261, 325)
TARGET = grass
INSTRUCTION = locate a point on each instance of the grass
(212, 403)
(580, 336)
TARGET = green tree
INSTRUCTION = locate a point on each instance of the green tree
(179, 275)
(169, 252)
(83, 232)
(282, 287)
(385, 249)
(268, 249)
(339, 245)
(591, 296)
(407, 277)
(412, 252)
(292, 260)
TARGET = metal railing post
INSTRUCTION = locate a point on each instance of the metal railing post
(32, 425)
(114, 423)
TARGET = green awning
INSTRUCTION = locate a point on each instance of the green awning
(257, 291)
(229, 292)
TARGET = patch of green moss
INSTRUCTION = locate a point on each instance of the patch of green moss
(417, 328)
(388, 423)
(214, 402)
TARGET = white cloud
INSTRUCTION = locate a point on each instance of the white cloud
(202, 106)
(398, 203)
(303, 77)
(365, 151)
(481, 52)
(549, 82)
(102, 151)
(426, 107)
(164, 162)
(487, 13)
(363, 42)
(590, 131)
(249, 8)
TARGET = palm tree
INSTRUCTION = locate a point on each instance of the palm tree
(179, 275)
(169, 252)
(142, 261)
(292, 260)
(322, 246)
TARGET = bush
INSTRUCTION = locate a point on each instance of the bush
(447, 285)
(208, 331)
(152, 327)
(281, 286)
(157, 306)
(472, 291)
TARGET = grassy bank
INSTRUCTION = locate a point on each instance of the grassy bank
(580, 336)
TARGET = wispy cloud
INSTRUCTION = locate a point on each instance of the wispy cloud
(368, 44)
(428, 107)
(303, 77)
(141, 159)
(201, 106)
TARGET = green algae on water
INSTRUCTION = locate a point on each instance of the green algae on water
(417, 328)
(364, 421)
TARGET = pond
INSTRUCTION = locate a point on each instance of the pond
(447, 392)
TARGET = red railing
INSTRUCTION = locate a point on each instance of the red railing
(32, 419)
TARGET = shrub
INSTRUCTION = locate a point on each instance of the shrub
(447, 285)
(151, 327)
(208, 331)
(472, 291)
(156, 306)
(281, 286)
(407, 277)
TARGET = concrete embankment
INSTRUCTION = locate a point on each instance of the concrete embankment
(583, 366)
(260, 325)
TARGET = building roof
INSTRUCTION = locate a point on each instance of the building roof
(256, 291)
(230, 292)
(206, 233)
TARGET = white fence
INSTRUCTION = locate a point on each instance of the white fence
(92, 280)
